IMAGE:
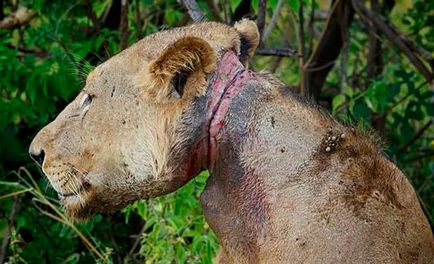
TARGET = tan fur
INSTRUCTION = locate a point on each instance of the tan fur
(289, 184)
(249, 30)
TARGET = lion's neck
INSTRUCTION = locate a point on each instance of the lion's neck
(228, 80)
(261, 145)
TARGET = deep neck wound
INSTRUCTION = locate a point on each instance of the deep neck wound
(229, 79)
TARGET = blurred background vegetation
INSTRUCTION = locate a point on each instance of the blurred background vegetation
(368, 62)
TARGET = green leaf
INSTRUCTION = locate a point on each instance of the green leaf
(338, 100)
(360, 111)
(295, 5)
(272, 4)
(234, 4)
(376, 96)
(348, 90)
(406, 130)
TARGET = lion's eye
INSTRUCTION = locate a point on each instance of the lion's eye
(85, 103)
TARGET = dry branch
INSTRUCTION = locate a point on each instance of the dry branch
(311, 28)
(260, 22)
(273, 20)
(214, 9)
(400, 41)
(92, 16)
(417, 135)
(301, 39)
(123, 25)
(9, 229)
(18, 18)
(139, 20)
(278, 52)
(193, 10)
(321, 61)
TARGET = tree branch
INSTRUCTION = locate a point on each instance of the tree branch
(260, 22)
(214, 10)
(123, 25)
(139, 20)
(9, 229)
(278, 52)
(193, 10)
(374, 63)
(18, 18)
(328, 49)
(92, 17)
(301, 37)
(426, 154)
(416, 136)
(311, 28)
(273, 21)
(395, 37)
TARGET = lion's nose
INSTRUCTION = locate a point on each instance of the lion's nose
(37, 155)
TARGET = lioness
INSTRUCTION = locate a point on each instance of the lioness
(288, 183)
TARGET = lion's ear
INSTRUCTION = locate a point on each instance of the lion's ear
(181, 69)
(249, 38)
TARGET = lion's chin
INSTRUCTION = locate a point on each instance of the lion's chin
(88, 203)
(81, 206)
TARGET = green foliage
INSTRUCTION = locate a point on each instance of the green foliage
(174, 227)
(43, 66)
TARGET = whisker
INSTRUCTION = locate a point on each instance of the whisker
(72, 183)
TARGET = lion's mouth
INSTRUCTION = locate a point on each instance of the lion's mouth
(85, 186)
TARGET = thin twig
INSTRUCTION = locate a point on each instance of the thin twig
(321, 67)
(328, 49)
(416, 136)
(344, 50)
(427, 154)
(273, 21)
(9, 228)
(139, 20)
(394, 36)
(311, 29)
(123, 25)
(278, 52)
(193, 10)
(301, 30)
(92, 17)
(404, 98)
(136, 242)
(276, 64)
(374, 60)
(260, 22)
(214, 10)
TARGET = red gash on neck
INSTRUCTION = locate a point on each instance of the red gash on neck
(229, 79)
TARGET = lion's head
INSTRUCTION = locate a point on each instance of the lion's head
(134, 130)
